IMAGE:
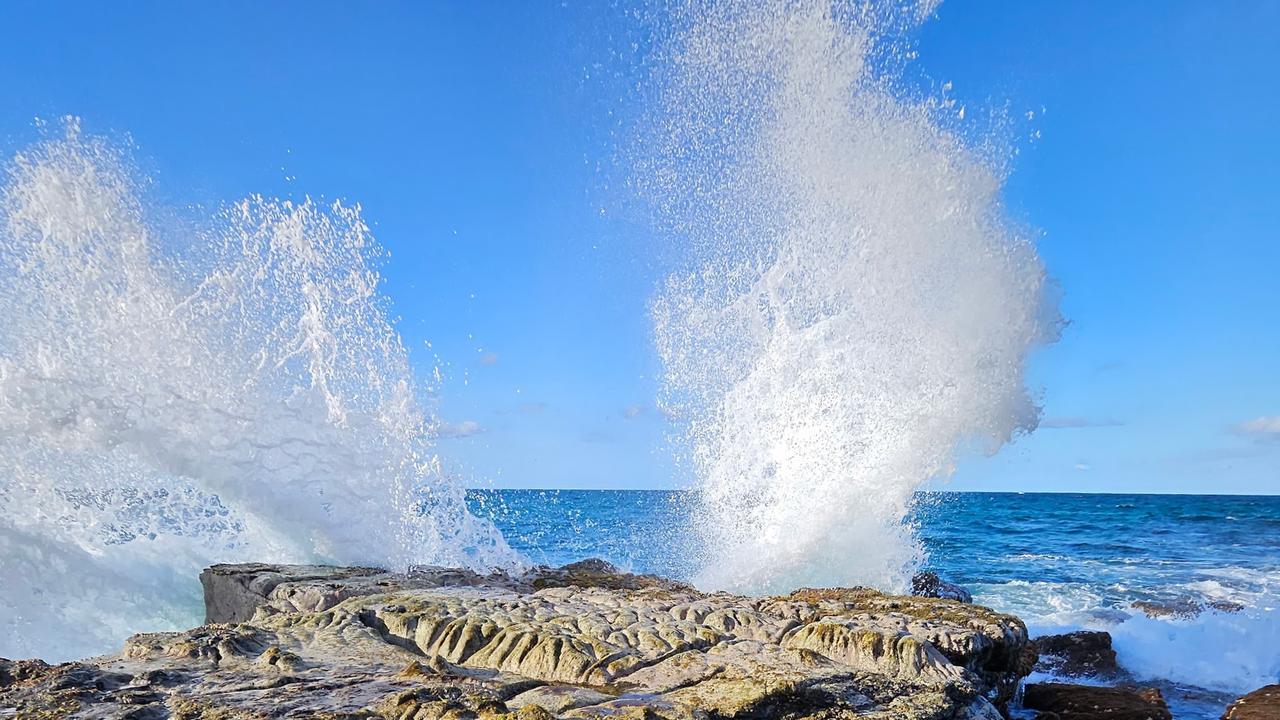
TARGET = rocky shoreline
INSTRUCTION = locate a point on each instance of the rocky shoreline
(581, 641)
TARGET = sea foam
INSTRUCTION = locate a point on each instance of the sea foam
(1233, 652)
(228, 390)
(1232, 649)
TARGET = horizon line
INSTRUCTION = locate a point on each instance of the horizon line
(918, 492)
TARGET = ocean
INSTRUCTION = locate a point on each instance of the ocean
(1059, 561)
(841, 302)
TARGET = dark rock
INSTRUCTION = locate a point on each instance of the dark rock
(1086, 702)
(1184, 608)
(928, 584)
(1078, 654)
(1170, 609)
(34, 689)
(596, 573)
(1261, 704)
(17, 671)
(591, 565)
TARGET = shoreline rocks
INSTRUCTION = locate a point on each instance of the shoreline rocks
(1184, 609)
(1085, 653)
(581, 641)
(1089, 656)
(1261, 704)
(1063, 701)
(928, 584)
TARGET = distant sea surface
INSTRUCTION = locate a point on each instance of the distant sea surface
(1058, 561)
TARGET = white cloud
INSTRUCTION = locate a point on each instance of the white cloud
(1082, 467)
(466, 428)
(1266, 427)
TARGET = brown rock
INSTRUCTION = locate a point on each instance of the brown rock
(1078, 654)
(17, 671)
(1170, 609)
(1184, 608)
(1261, 704)
(1087, 702)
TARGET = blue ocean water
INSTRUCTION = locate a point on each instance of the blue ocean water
(1112, 550)
(1058, 561)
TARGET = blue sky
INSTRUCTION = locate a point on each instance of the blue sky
(480, 140)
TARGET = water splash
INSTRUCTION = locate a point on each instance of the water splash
(235, 393)
(858, 305)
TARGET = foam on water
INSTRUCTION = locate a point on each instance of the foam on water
(171, 400)
(1232, 652)
(857, 304)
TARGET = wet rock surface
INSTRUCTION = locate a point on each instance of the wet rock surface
(1085, 653)
(928, 584)
(581, 641)
(1063, 701)
(1184, 608)
(1261, 704)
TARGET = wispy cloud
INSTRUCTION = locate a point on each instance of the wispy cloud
(489, 359)
(1083, 467)
(1071, 421)
(466, 428)
(633, 411)
(1264, 428)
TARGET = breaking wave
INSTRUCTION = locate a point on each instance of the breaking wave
(173, 397)
(856, 305)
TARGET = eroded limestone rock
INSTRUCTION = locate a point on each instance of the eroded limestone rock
(581, 641)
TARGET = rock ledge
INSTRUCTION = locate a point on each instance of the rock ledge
(581, 641)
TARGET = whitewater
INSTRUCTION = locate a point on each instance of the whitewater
(174, 394)
(856, 307)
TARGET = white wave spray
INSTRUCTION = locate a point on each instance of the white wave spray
(233, 393)
(858, 305)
